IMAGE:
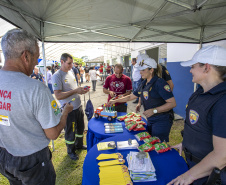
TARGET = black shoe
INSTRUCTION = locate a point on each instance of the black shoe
(84, 147)
(135, 101)
(73, 156)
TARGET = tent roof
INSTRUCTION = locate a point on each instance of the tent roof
(97, 60)
(119, 20)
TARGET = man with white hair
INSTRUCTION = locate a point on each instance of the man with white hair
(29, 115)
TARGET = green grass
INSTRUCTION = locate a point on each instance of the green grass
(70, 172)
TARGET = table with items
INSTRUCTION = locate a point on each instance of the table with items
(97, 131)
(121, 160)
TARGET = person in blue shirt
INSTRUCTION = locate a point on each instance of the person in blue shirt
(157, 99)
(204, 137)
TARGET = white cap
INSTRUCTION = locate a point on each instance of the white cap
(214, 55)
(147, 63)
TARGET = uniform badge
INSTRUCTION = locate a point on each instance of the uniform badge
(139, 92)
(54, 104)
(193, 116)
(167, 88)
(55, 85)
(145, 94)
(167, 72)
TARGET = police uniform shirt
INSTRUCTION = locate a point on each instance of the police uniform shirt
(165, 74)
(154, 93)
(205, 116)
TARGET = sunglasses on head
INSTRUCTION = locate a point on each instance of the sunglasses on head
(142, 63)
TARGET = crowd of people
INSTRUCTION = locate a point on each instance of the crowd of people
(24, 144)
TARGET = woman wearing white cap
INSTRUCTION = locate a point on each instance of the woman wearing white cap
(204, 138)
(156, 96)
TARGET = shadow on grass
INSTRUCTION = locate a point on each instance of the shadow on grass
(67, 171)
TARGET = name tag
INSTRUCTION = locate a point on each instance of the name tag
(4, 120)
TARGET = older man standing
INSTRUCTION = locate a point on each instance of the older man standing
(29, 116)
(65, 89)
(118, 84)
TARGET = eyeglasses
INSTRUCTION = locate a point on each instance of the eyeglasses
(142, 63)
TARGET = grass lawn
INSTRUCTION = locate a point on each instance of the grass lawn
(69, 172)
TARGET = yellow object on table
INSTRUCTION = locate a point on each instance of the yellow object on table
(110, 156)
(105, 145)
(114, 175)
(112, 162)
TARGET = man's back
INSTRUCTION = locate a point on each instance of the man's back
(27, 107)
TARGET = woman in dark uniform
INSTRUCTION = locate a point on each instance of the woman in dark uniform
(156, 97)
(204, 138)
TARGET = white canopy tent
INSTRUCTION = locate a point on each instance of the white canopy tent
(73, 21)
(190, 21)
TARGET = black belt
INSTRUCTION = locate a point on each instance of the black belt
(193, 158)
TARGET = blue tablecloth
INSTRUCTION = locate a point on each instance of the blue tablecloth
(96, 133)
(168, 165)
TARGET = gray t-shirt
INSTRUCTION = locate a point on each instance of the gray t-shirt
(26, 108)
(65, 82)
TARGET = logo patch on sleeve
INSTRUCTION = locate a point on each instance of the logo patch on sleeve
(55, 85)
(193, 116)
(145, 94)
(65, 80)
(167, 72)
(54, 104)
(167, 88)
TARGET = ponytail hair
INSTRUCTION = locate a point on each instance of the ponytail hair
(221, 71)
(158, 71)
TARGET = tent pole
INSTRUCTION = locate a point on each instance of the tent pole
(200, 46)
(44, 62)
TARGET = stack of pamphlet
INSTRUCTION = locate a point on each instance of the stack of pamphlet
(113, 127)
(129, 144)
(141, 169)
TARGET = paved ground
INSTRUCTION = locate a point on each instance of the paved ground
(98, 98)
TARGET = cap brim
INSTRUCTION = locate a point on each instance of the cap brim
(188, 63)
(140, 68)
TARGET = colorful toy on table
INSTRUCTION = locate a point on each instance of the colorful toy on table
(106, 111)
(162, 147)
(86, 87)
(142, 135)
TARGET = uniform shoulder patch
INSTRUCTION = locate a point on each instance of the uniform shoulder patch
(54, 104)
(167, 88)
(193, 116)
(167, 72)
(55, 84)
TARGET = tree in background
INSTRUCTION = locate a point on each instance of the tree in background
(79, 61)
